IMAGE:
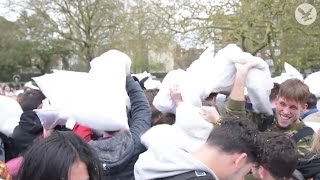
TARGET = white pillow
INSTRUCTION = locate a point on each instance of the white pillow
(190, 131)
(313, 81)
(10, 115)
(220, 75)
(290, 70)
(96, 99)
(180, 80)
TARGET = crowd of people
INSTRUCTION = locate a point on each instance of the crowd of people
(7, 90)
(237, 142)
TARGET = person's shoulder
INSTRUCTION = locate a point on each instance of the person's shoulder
(303, 136)
(314, 117)
(301, 129)
(296, 127)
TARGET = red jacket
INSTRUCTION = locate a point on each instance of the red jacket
(82, 131)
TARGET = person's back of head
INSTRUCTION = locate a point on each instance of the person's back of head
(150, 94)
(312, 101)
(63, 155)
(30, 99)
(164, 118)
(294, 90)
(210, 100)
(155, 113)
(278, 156)
(274, 92)
(235, 135)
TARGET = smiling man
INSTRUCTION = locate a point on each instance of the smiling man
(289, 105)
(291, 102)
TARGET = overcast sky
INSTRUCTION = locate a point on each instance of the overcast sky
(9, 15)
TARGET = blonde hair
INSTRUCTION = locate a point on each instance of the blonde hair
(315, 147)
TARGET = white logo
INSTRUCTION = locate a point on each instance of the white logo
(306, 14)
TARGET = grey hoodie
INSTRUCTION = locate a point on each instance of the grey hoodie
(119, 153)
(166, 160)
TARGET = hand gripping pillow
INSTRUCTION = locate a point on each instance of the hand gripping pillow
(259, 82)
(162, 101)
(178, 79)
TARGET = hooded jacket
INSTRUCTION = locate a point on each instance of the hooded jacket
(166, 160)
(309, 166)
(27, 131)
(119, 153)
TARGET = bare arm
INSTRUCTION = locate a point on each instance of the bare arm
(235, 106)
(237, 92)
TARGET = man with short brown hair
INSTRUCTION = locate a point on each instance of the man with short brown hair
(289, 105)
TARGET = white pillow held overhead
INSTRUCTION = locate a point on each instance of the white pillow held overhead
(96, 99)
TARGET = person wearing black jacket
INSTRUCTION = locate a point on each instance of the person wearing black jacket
(29, 127)
(27, 131)
(309, 165)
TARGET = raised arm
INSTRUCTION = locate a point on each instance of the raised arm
(140, 109)
(235, 106)
(237, 92)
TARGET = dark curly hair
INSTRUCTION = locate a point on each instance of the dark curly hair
(236, 135)
(278, 154)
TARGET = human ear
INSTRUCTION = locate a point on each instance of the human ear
(240, 159)
(305, 106)
(261, 172)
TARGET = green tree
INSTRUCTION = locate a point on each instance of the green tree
(15, 53)
(264, 27)
(93, 27)
(86, 24)
(143, 31)
(48, 50)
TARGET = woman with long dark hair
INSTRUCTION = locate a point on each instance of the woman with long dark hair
(61, 156)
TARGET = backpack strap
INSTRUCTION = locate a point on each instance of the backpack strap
(197, 174)
(305, 131)
(266, 122)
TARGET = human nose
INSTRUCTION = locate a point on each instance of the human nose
(286, 110)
